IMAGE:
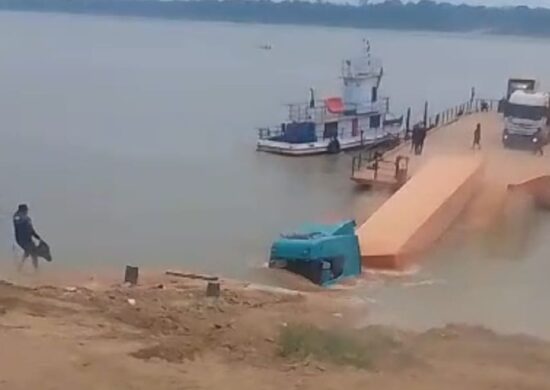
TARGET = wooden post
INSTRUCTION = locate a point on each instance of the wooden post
(426, 114)
(213, 289)
(131, 275)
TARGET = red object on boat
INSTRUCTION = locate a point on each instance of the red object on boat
(334, 105)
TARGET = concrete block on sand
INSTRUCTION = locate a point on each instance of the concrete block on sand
(411, 220)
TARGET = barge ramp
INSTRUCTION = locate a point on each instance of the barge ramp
(418, 214)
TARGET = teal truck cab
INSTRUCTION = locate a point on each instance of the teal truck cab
(324, 254)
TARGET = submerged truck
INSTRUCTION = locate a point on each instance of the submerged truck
(526, 116)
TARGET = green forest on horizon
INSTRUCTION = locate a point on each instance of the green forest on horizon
(391, 14)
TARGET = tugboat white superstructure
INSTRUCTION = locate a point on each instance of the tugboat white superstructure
(359, 118)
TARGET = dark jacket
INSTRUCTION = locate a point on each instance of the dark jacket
(24, 231)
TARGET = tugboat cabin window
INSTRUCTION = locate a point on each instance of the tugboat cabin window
(374, 94)
(374, 122)
(331, 130)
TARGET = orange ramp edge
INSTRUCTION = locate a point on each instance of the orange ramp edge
(418, 214)
(538, 188)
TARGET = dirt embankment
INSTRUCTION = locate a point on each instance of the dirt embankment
(173, 337)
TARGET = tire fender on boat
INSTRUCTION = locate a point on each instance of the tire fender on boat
(334, 146)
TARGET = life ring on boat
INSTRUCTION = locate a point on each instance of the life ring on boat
(334, 146)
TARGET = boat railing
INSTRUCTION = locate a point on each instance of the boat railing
(435, 121)
(270, 133)
(486, 104)
(454, 113)
(303, 112)
(382, 105)
(266, 133)
(363, 159)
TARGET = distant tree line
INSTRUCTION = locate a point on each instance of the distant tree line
(392, 14)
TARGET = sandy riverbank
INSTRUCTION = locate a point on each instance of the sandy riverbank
(176, 338)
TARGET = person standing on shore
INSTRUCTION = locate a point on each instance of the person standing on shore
(24, 235)
(539, 147)
(418, 137)
(422, 132)
(414, 139)
(477, 137)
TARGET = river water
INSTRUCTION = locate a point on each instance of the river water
(133, 140)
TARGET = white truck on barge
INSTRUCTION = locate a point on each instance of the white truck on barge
(526, 115)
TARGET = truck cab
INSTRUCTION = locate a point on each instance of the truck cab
(526, 116)
(324, 254)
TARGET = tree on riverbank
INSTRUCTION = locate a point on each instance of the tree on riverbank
(391, 14)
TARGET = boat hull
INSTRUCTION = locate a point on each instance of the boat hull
(314, 148)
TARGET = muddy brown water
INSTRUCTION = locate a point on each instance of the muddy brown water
(133, 142)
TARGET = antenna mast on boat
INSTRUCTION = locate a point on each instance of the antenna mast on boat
(366, 42)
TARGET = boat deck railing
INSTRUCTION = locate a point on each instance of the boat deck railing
(363, 158)
(265, 133)
(303, 112)
(454, 113)
(268, 133)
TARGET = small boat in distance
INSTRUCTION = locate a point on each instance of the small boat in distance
(265, 47)
(357, 119)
